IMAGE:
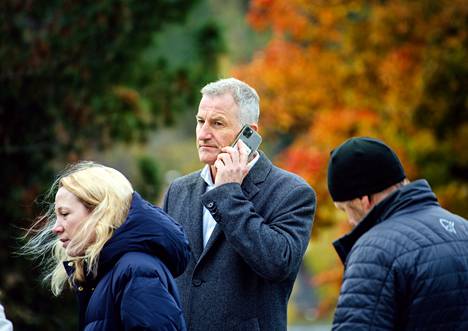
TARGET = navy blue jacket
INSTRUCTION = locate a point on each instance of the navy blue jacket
(134, 288)
(406, 266)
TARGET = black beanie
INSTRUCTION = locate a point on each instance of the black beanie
(362, 166)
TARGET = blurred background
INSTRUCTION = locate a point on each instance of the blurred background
(118, 82)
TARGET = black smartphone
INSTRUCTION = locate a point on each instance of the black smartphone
(250, 138)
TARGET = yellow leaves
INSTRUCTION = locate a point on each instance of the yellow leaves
(326, 267)
(422, 141)
(454, 197)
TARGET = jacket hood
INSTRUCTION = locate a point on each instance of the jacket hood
(147, 229)
(415, 195)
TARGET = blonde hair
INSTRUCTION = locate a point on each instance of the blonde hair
(107, 194)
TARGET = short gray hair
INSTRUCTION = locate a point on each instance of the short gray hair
(245, 97)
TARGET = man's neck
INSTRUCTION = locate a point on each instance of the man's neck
(213, 172)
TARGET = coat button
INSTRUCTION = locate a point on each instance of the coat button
(70, 264)
(80, 288)
(196, 282)
(210, 204)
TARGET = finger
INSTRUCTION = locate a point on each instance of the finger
(225, 158)
(219, 164)
(229, 149)
(234, 153)
(243, 152)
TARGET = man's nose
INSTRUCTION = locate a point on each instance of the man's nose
(204, 132)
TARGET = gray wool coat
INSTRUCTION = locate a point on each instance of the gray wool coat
(243, 278)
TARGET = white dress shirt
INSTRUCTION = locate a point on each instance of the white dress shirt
(208, 221)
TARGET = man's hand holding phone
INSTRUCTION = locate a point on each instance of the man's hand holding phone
(231, 165)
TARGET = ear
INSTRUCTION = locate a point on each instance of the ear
(254, 126)
(366, 203)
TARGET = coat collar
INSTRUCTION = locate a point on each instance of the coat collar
(194, 228)
(256, 175)
(406, 199)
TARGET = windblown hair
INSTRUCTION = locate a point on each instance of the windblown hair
(107, 194)
(245, 97)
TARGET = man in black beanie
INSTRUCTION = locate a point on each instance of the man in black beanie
(406, 260)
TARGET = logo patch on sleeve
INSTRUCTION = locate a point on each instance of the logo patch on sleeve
(449, 226)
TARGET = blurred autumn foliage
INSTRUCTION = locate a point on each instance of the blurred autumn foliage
(396, 70)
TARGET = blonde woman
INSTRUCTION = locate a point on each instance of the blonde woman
(117, 251)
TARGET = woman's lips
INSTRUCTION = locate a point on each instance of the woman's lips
(65, 242)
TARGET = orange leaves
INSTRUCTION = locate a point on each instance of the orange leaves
(399, 73)
(330, 276)
(306, 21)
(281, 16)
(306, 161)
(333, 127)
(309, 153)
(293, 83)
(260, 13)
(399, 63)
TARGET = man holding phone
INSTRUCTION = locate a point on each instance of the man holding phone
(248, 221)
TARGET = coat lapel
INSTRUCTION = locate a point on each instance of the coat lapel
(195, 225)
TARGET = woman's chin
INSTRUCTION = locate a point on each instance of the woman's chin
(73, 252)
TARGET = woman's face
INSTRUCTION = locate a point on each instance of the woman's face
(70, 213)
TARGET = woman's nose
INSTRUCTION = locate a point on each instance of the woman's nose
(57, 229)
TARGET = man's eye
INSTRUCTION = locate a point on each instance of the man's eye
(64, 214)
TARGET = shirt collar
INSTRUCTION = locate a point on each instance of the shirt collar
(206, 173)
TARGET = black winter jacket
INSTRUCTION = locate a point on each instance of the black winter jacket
(406, 266)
